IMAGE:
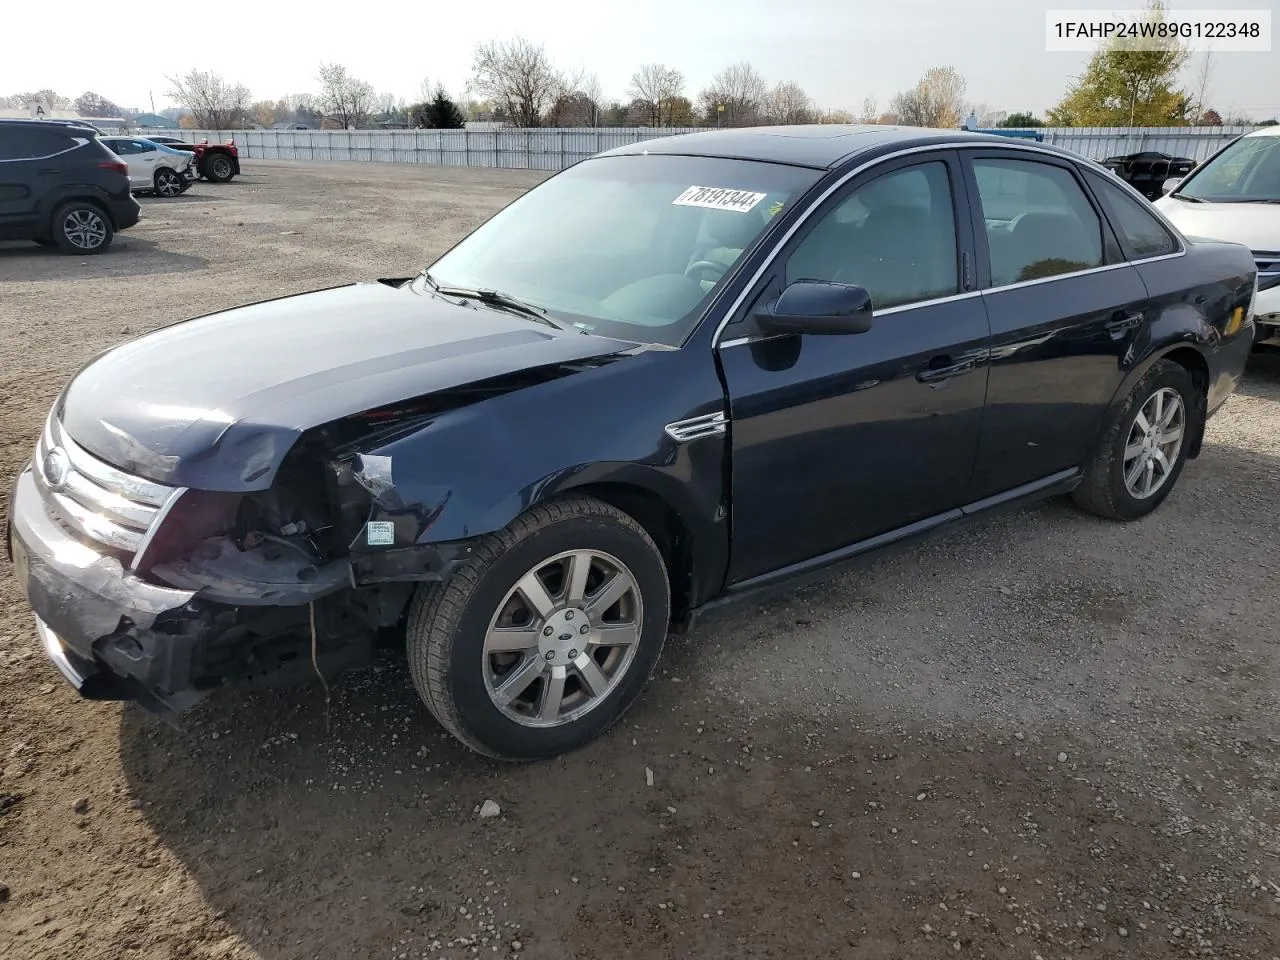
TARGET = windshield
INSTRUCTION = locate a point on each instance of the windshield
(1247, 170)
(629, 246)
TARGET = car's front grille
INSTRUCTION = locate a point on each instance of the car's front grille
(94, 499)
(1268, 269)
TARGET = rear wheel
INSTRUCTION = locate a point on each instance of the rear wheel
(80, 227)
(219, 168)
(1143, 447)
(168, 183)
(546, 634)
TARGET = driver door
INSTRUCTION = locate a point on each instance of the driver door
(840, 440)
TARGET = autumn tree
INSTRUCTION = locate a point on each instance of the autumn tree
(836, 116)
(263, 113)
(1128, 83)
(788, 103)
(520, 79)
(735, 97)
(346, 98)
(90, 104)
(654, 86)
(937, 100)
(215, 104)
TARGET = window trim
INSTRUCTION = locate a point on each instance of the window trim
(961, 146)
(1112, 251)
(772, 270)
(76, 144)
(1144, 206)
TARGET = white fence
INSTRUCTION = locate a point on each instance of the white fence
(555, 149)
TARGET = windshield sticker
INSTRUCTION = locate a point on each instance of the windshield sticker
(719, 198)
(380, 533)
(775, 208)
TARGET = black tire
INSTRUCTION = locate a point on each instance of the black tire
(168, 183)
(447, 625)
(76, 224)
(219, 168)
(1103, 490)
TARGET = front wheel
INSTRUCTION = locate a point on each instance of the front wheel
(546, 634)
(1143, 446)
(168, 183)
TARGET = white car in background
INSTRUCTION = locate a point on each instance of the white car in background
(1235, 195)
(154, 167)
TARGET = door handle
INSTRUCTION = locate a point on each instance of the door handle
(1121, 322)
(49, 171)
(942, 368)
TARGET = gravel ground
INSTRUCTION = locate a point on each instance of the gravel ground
(1041, 736)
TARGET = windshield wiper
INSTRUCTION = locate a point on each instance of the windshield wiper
(1185, 198)
(494, 298)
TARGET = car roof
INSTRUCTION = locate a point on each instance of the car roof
(1271, 131)
(822, 146)
(45, 124)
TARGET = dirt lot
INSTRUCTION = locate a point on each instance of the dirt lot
(1044, 736)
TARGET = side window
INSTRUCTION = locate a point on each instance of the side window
(28, 144)
(1039, 223)
(121, 148)
(896, 236)
(1140, 232)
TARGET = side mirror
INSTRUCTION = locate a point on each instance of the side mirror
(1170, 185)
(818, 307)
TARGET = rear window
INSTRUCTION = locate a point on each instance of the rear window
(27, 143)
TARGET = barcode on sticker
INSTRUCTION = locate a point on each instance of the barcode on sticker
(380, 533)
(718, 198)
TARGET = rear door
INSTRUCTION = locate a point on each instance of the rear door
(837, 439)
(134, 154)
(1065, 311)
(32, 161)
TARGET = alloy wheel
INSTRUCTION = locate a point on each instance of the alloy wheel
(1154, 443)
(563, 638)
(168, 184)
(85, 229)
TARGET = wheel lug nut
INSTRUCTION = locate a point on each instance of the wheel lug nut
(584, 628)
(549, 655)
(568, 614)
(572, 654)
(546, 631)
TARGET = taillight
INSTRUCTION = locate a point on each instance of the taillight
(118, 166)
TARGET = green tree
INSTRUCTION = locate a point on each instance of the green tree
(438, 113)
(1127, 86)
(1027, 119)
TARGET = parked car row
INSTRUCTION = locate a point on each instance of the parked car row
(779, 353)
(64, 184)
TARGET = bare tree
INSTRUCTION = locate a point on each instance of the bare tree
(214, 103)
(594, 93)
(345, 98)
(736, 95)
(936, 101)
(656, 85)
(870, 110)
(788, 103)
(519, 78)
(835, 116)
(1204, 74)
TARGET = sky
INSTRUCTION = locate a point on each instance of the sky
(840, 51)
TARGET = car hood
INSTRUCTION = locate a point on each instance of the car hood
(216, 402)
(1256, 225)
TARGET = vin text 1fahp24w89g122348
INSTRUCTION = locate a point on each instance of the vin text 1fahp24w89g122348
(671, 376)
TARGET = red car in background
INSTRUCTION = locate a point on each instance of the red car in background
(218, 162)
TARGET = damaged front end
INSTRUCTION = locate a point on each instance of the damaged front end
(159, 594)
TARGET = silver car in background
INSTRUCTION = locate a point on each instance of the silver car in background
(154, 167)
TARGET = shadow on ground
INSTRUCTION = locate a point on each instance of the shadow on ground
(126, 257)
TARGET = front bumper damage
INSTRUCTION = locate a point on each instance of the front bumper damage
(115, 635)
(111, 634)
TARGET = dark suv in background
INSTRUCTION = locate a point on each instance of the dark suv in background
(59, 185)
